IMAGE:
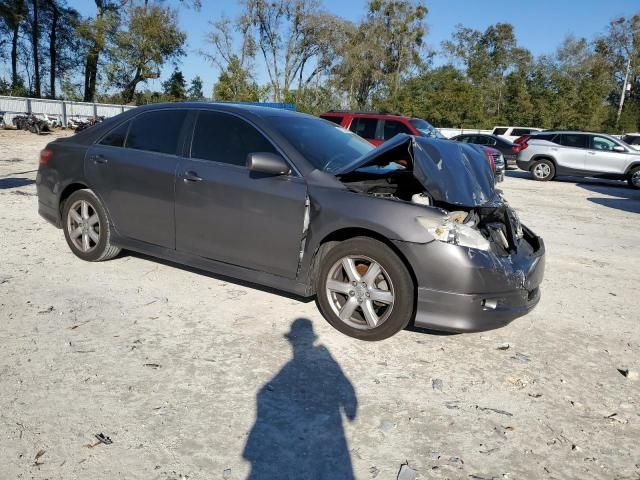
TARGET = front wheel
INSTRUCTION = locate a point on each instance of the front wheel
(634, 178)
(543, 170)
(364, 290)
(86, 227)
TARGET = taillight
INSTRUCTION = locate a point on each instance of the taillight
(45, 156)
(523, 146)
(490, 158)
(516, 148)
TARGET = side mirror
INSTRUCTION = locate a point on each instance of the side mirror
(619, 148)
(265, 162)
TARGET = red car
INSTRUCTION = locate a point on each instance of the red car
(377, 128)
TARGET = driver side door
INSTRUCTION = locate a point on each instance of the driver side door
(227, 213)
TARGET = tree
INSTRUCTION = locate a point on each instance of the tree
(13, 13)
(151, 38)
(175, 87)
(195, 89)
(291, 35)
(235, 84)
(96, 33)
(488, 58)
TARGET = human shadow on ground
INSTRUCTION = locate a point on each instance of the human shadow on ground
(298, 432)
(6, 183)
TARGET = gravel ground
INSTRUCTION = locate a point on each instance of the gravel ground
(192, 376)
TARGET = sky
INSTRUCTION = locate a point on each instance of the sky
(540, 25)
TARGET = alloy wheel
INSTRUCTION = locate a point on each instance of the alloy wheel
(83, 225)
(542, 170)
(360, 292)
(635, 179)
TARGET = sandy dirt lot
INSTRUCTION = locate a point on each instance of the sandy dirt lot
(192, 376)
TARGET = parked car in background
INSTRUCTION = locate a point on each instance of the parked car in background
(377, 128)
(512, 133)
(632, 139)
(380, 236)
(550, 154)
(506, 147)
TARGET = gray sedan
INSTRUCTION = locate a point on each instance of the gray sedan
(412, 232)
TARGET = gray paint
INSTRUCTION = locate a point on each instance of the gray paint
(250, 226)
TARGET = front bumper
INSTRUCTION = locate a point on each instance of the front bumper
(467, 290)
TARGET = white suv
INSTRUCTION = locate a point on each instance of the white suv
(583, 154)
(511, 133)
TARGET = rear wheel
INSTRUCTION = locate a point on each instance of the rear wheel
(543, 170)
(86, 227)
(364, 290)
(634, 177)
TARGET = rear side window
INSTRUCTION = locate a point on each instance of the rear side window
(223, 138)
(156, 131)
(336, 120)
(574, 140)
(499, 131)
(393, 127)
(631, 139)
(116, 137)
(549, 137)
(364, 127)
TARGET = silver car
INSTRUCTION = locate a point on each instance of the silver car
(549, 154)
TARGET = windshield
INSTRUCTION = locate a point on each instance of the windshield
(325, 145)
(426, 129)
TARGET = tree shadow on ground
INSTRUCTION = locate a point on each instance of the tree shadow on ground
(298, 432)
(6, 183)
(622, 198)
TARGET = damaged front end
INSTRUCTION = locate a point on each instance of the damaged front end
(483, 267)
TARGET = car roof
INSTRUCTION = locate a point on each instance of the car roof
(342, 113)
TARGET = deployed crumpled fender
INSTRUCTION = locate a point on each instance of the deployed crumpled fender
(451, 172)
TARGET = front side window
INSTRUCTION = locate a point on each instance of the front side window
(573, 140)
(156, 131)
(518, 132)
(116, 137)
(364, 127)
(602, 143)
(393, 127)
(224, 138)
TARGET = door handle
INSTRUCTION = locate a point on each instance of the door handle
(99, 159)
(191, 176)
(591, 153)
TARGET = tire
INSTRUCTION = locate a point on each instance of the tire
(634, 178)
(35, 128)
(543, 170)
(98, 246)
(393, 286)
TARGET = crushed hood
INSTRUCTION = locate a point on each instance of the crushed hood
(451, 172)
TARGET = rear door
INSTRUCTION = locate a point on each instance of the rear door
(572, 151)
(366, 128)
(601, 158)
(132, 169)
(227, 213)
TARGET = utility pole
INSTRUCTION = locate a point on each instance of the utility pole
(624, 90)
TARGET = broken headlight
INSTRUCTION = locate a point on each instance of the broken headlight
(455, 228)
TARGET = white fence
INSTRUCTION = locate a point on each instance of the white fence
(62, 109)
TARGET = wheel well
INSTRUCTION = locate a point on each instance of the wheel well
(66, 193)
(537, 158)
(631, 167)
(332, 239)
